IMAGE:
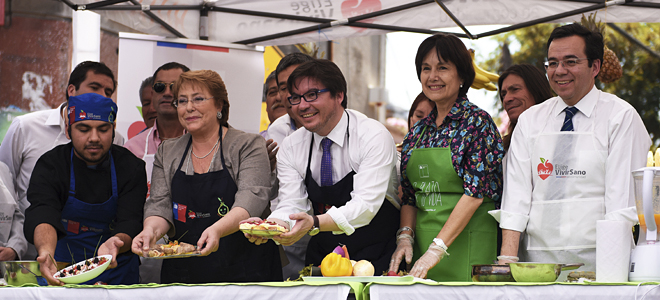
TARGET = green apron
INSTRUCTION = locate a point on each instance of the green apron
(437, 191)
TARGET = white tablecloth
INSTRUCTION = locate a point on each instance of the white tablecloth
(196, 292)
(536, 292)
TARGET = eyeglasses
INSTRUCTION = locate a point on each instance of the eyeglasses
(184, 101)
(309, 96)
(566, 63)
(159, 86)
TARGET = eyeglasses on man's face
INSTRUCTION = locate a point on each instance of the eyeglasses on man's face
(160, 86)
(183, 101)
(309, 96)
(566, 63)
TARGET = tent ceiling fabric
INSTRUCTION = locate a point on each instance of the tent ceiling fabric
(263, 22)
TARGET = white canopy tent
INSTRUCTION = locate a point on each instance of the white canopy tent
(283, 22)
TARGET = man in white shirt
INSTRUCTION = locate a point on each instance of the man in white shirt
(13, 245)
(282, 126)
(30, 136)
(343, 166)
(570, 160)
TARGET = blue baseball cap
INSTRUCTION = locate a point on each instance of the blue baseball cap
(93, 107)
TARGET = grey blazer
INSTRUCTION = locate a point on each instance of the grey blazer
(246, 160)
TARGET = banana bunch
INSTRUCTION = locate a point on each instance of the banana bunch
(653, 160)
(482, 78)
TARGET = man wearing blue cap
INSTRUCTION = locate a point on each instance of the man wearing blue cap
(86, 197)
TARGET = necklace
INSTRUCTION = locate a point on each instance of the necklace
(207, 154)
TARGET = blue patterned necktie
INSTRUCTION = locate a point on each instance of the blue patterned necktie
(568, 120)
(326, 163)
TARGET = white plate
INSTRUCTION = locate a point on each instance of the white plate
(377, 279)
(88, 275)
(196, 253)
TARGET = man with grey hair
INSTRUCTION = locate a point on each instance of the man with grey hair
(145, 93)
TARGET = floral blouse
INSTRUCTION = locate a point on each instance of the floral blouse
(476, 149)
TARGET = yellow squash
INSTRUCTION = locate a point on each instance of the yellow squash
(334, 265)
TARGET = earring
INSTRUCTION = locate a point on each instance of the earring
(219, 115)
(461, 85)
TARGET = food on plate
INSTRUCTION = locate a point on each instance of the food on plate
(363, 268)
(335, 264)
(82, 267)
(172, 248)
(262, 225)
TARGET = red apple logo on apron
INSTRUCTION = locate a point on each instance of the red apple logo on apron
(544, 169)
(352, 8)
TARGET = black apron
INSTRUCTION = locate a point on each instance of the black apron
(375, 242)
(199, 201)
(88, 226)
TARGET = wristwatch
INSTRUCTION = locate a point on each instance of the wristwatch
(315, 229)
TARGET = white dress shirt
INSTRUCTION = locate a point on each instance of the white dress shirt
(619, 132)
(11, 218)
(280, 128)
(369, 151)
(28, 138)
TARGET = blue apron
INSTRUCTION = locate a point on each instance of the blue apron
(88, 225)
(200, 200)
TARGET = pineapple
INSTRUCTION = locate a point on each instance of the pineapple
(610, 68)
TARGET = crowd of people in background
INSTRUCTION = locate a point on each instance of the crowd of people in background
(328, 174)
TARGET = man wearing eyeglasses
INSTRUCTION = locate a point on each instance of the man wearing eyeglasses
(342, 165)
(145, 145)
(31, 135)
(570, 159)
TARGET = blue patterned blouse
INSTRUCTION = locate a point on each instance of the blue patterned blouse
(476, 148)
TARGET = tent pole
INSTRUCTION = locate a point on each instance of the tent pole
(451, 15)
(269, 15)
(160, 21)
(548, 19)
(332, 23)
(635, 41)
(94, 5)
(399, 28)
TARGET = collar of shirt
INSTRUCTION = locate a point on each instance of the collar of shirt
(56, 118)
(456, 112)
(336, 135)
(586, 105)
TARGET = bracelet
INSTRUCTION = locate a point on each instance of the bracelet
(405, 236)
(404, 228)
(507, 257)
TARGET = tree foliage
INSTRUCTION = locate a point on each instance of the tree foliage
(640, 83)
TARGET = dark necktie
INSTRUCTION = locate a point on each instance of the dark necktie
(326, 163)
(568, 120)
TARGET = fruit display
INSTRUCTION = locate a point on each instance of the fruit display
(653, 160)
(81, 267)
(610, 68)
(482, 78)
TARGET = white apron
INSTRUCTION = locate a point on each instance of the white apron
(567, 200)
(150, 268)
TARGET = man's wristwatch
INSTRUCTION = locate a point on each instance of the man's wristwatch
(315, 229)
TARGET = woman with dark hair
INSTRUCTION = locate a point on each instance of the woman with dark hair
(521, 86)
(203, 184)
(451, 171)
(420, 108)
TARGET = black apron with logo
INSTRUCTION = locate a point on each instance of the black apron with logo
(375, 242)
(199, 201)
